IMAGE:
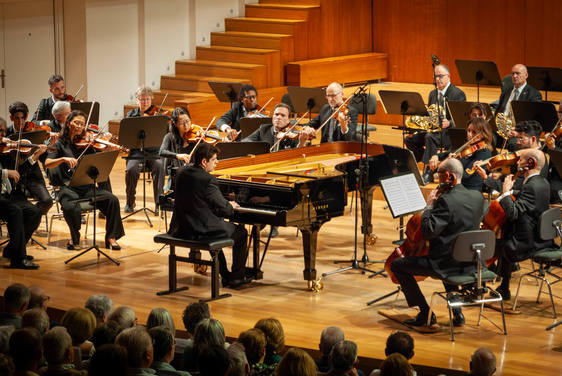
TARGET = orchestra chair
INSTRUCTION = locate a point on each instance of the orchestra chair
(550, 227)
(85, 207)
(472, 247)
(357, 103)
(213, 245)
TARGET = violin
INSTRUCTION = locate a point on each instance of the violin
(25, 146)
(497, 162)
(197, 134)
(292, 133)
(259, 111)
(156, 111)
(97, 142)
(471, 149)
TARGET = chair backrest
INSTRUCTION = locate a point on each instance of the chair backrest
(357, 103)
(547, 229)
(468, 241)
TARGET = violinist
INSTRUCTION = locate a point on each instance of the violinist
(477, 148)
(58, 93)
(341, 127)
(450, 211)
(522, 209)
(64, 157)
(272, 133)
(176, 147)
(553, 142)
(145, 107)
(229, 123)
(33, 180)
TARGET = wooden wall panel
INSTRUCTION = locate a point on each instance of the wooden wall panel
(543, 31)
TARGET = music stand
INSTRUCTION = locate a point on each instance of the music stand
(478, 72)
(543, 112)
(547, 79)
(142, 133)
(85, 108)
(249, 125)
(403, 103)
(225, 91)
(460, 114)
(309, 99)
(35, 137)
(92, 169)
(241, 149)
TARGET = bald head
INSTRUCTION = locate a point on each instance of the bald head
(519, 75)
(334, 94)
(532, 154)
(483, 362)
(330, 336)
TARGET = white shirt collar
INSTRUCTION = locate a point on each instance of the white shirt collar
(445, 89)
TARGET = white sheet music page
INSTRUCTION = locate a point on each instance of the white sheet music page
(403, 194)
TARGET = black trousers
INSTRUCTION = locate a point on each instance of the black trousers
(405, 269)
(72, 213)
(132, 177)
(22, 219)
(239, 255)
(38, 190)
(424, 145)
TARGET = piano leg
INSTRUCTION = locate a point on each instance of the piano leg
(309, 242)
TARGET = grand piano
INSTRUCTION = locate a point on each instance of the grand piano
(305, 188)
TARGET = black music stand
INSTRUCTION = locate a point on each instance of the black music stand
(241, 149)
(35, 137)
(249, 125)
(478, 72)
(92, 169)
(141, 133)
(226, 91)
(85, 108)
(403, 103)
(547, 79)
(460, 114)
(543, 112)
(309, 99)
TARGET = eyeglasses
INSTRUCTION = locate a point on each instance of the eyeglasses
(332, 95)
(440, 75)
(250, 97)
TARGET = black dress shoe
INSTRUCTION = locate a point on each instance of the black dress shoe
(115, 247)
(71, 247)
(234, 283)
(24, 264)
(504, 292)
(458, 319)
(421, 320)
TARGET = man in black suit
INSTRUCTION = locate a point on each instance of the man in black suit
(445, 217)
(60, 112)
(58, 93)
(199, 208)
(446, 91)
(230, 121)
(521, 91)
(269, 132)
(521, 235)
(341, 127)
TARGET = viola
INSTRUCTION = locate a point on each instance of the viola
(197, 133)
(497, 162)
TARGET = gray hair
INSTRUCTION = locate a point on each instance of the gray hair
(161, 316)
(144, 90)
(329, 337)
(124, 316)
(343, 355)
(37, 297)
(237, 358)
(138, 342)
(209, 332)
(5, 333)
(56, 343)
(454, 166)
(35, 318)
(59, 107)
(99, 304)
(16, 296)
(445, 68)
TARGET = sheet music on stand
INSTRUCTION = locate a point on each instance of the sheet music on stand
(403, 194)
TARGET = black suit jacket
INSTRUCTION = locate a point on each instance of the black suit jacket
(199, 206)
(232, 117)
(458, 210)
(265, 134)
(324, 114)
(521, 237)
(452, 93)
(44, 108)
(529, 94)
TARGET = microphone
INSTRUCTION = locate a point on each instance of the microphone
(435, 59)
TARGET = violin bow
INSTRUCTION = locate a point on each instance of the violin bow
(92, 141)
(334, 114)
(466, 144)
(162, 104)
(264, 106)
(289, 130)
(201, 138)
(78, 92)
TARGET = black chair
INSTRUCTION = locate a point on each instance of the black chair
(357, 103)
(550, 227)
(476, 247)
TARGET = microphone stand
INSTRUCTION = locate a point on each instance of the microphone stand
(435, 62)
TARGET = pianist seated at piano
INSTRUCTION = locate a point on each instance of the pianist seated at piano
(199, 210)
(278, 135)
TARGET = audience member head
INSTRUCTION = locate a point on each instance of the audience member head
(124, 316)
(138, 343)
(7, 367)
(25, 349)
(57, 346)
(5, 333)
(209, 332)
(161, 316)
(100, 305)
(80, 323)
(105, 333)
(163, 343)
(329, 337)
(400, 342)
(193, 313)
(213, 360)
(274, 335)
(396, 365)
(239, 365)
(483, 362)
(296, 362)
(108, 360)
(343, 356)
(16, 298)
(37, 298)
(254, 344)
(35, 318)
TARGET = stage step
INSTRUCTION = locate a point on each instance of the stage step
(174, 95)
(297, 12)
(193, 82)
(266, 25)
(300, 2)
(256, 73)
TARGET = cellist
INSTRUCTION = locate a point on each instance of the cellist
(448, 213)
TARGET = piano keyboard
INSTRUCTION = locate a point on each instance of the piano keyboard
(256, 211)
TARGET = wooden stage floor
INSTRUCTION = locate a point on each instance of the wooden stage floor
(283, 293)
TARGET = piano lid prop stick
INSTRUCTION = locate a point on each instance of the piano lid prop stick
(334, 114)
(202, 136)
(290, 129)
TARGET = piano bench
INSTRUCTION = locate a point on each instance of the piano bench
(214, 246)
